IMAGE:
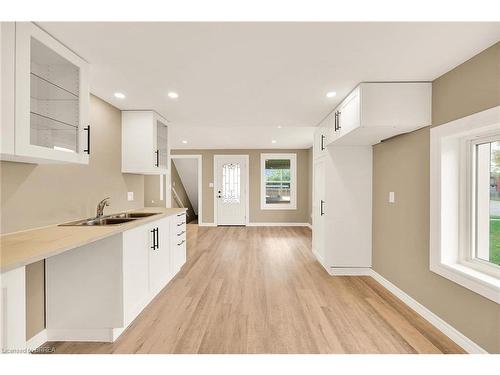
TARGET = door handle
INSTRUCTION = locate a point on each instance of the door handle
(153, 231)
(87, 150)
(322, 212)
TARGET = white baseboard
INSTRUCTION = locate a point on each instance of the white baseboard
(460, 339)
(91, 335)
(278, 224)
(36, 341)
(309, 226)
(349, 271)
(207, 225)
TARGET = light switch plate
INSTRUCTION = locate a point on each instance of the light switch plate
(130, 196)
(211, 184)
(392, 198)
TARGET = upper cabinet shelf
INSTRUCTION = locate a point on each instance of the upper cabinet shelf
(145, 143)
(45, 98)
(376, 111)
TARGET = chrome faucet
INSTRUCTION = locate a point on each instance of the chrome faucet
(101, 205)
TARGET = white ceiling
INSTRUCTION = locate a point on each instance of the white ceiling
(238, 81)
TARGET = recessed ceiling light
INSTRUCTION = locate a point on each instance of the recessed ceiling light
(119, 95)
(331, 94)
(273, 141)
(173, 95)
(279, 126)
(184, 142)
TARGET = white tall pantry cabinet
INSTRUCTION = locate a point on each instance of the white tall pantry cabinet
(342, 168)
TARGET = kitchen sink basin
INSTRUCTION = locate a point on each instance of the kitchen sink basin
(116, 219)
(134, 215)
(99, 222)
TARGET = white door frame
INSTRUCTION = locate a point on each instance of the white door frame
(199, 158)
(247, 190)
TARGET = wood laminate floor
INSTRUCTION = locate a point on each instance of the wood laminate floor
(260, 290)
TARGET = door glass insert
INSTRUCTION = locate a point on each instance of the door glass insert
(54, 99)
(231, 183)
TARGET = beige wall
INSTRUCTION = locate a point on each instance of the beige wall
(401, 230)
(35, 298)
(37, 195)
(181, 193)
(300, 215)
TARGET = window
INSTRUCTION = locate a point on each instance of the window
(278, 181)
(487, 200)
(465, 202)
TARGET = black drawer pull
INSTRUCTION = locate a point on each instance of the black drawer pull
(181, 233)
(157, 152)
(180, 243)
(179, 215)
(181, 223)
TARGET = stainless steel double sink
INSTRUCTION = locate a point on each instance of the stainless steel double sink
(115, 219)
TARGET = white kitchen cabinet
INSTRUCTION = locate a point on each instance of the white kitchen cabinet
(95, 291)
(178, 242)
(13, 310)
(375, 111)
(145, 143)
(159, 251)
(342, 207)
(323, 131)
(45, 98)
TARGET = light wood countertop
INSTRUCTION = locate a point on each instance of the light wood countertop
(22, 248)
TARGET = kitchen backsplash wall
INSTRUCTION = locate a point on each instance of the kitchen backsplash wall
(38, 195)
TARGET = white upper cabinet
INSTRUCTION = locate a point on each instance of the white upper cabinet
(45, 98)
(321, 135)
(373, 112)
(145, 143)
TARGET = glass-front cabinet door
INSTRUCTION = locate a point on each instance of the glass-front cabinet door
(162, 144)
(52, 98)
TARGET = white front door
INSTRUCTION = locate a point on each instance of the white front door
(230, 188)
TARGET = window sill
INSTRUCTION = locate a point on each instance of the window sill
(278, 207)
(481, 283)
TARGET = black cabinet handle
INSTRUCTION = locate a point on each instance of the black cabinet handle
(322, 142)
(157, 152)
(181, 223)
(154, 239)
(181, 233)
(337, 120)
(322, 212)
(180, 243)
(157, 238)
(87, 129)
(179, 215)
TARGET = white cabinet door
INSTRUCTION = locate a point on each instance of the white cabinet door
(136, 244)
(159, 256)
(348, 114)
(145, 148)
(51, 99)
(319, 206)
(13, 310)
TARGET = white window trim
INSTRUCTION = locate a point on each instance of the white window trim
(450, 203)
(293, 184)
